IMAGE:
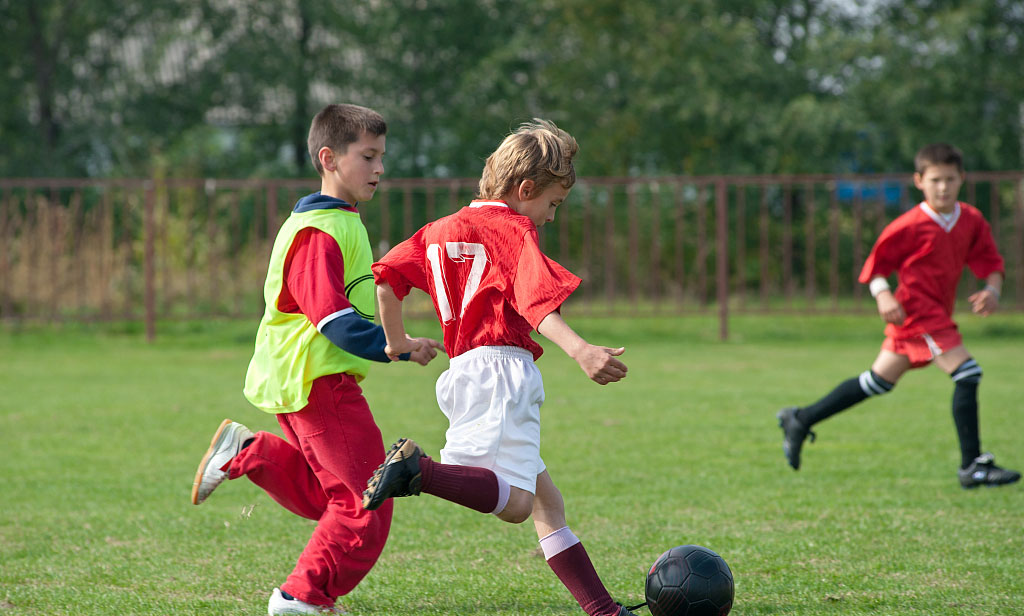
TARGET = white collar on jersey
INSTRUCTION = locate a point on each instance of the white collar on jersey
(483, 203)
(946, 221)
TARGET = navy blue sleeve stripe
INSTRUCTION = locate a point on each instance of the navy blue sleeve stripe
(360, 337)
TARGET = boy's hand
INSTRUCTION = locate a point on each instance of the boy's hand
(600, 365)
(420, 350)
(428, 348)
(984, 302)
(403, 345)
(598, 362)
(889, 308)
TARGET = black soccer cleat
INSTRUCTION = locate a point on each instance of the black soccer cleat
(399, 475)
(984, 472)
(624, 611)
(793, 435)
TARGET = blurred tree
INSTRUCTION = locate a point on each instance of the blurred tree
(937, 70)
(258, 71)
(63, 86)
(698, 87)
(448, 76)
(227, 88)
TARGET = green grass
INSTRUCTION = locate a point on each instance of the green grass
(100, 435)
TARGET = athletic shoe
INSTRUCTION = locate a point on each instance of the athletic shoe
(399, 475)
(280, 606)
(227, 442)
(625, 612)
(793, 435)
(984, 472)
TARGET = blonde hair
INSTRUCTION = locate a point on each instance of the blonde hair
(538, 151)
(336, 126)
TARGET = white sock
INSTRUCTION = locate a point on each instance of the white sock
(503, 492)
(558, 541)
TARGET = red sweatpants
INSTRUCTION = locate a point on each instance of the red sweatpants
(319, 473)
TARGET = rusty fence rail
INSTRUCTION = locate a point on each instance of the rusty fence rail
(150, 249)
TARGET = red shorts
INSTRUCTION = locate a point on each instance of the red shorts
(924, 348)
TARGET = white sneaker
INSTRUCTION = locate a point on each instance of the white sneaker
(226, 444)
(279, 606)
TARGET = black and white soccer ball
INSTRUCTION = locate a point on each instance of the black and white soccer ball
(689, 580)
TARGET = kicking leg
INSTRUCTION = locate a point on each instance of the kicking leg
(407, 471)
(796, 422)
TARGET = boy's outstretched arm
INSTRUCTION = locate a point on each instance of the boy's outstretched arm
(985, 301)
(598, 362)
(421, 350)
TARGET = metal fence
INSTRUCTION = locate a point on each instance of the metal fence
(151, 249)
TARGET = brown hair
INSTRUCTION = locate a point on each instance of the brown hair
(336, 126)
(538, 151)
(938, 154)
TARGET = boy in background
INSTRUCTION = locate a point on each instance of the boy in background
(313, 347)
(928, 248)
(492, 286)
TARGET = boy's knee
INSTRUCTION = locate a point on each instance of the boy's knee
(514, 517)
(967, 373)
(519, 507)
(873, 385)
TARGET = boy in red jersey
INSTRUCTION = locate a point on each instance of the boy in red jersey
(928, 248)
(313, 347)
(492, 286)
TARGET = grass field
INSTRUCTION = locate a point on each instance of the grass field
(100, 435)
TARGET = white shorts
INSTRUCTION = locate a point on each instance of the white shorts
(492, 396)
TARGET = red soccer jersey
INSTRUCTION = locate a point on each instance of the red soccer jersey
(314, 275)
(928, 253)
(484, 270)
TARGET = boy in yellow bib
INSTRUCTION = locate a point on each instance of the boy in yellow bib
(313, 347)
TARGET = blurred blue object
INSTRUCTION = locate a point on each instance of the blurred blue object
(891, 191)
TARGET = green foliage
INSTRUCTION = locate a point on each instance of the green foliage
(649, 87)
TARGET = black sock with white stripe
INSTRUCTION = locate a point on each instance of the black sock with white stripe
(967, 377)
(845, 395)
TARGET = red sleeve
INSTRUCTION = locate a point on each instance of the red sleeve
(983, 257)
(314, 277)
(541, 284)
(403, 266)
(887, 253)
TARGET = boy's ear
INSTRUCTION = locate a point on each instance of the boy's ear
(326, 156)
(526, 189)
(917, 180)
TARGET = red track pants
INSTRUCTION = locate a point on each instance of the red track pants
(319, 473)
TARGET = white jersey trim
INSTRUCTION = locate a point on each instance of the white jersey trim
(947, 223)
(334, 315)
(483, 203)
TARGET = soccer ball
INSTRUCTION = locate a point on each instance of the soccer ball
(689, 580)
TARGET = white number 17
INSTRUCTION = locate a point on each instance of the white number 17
(457, 252)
